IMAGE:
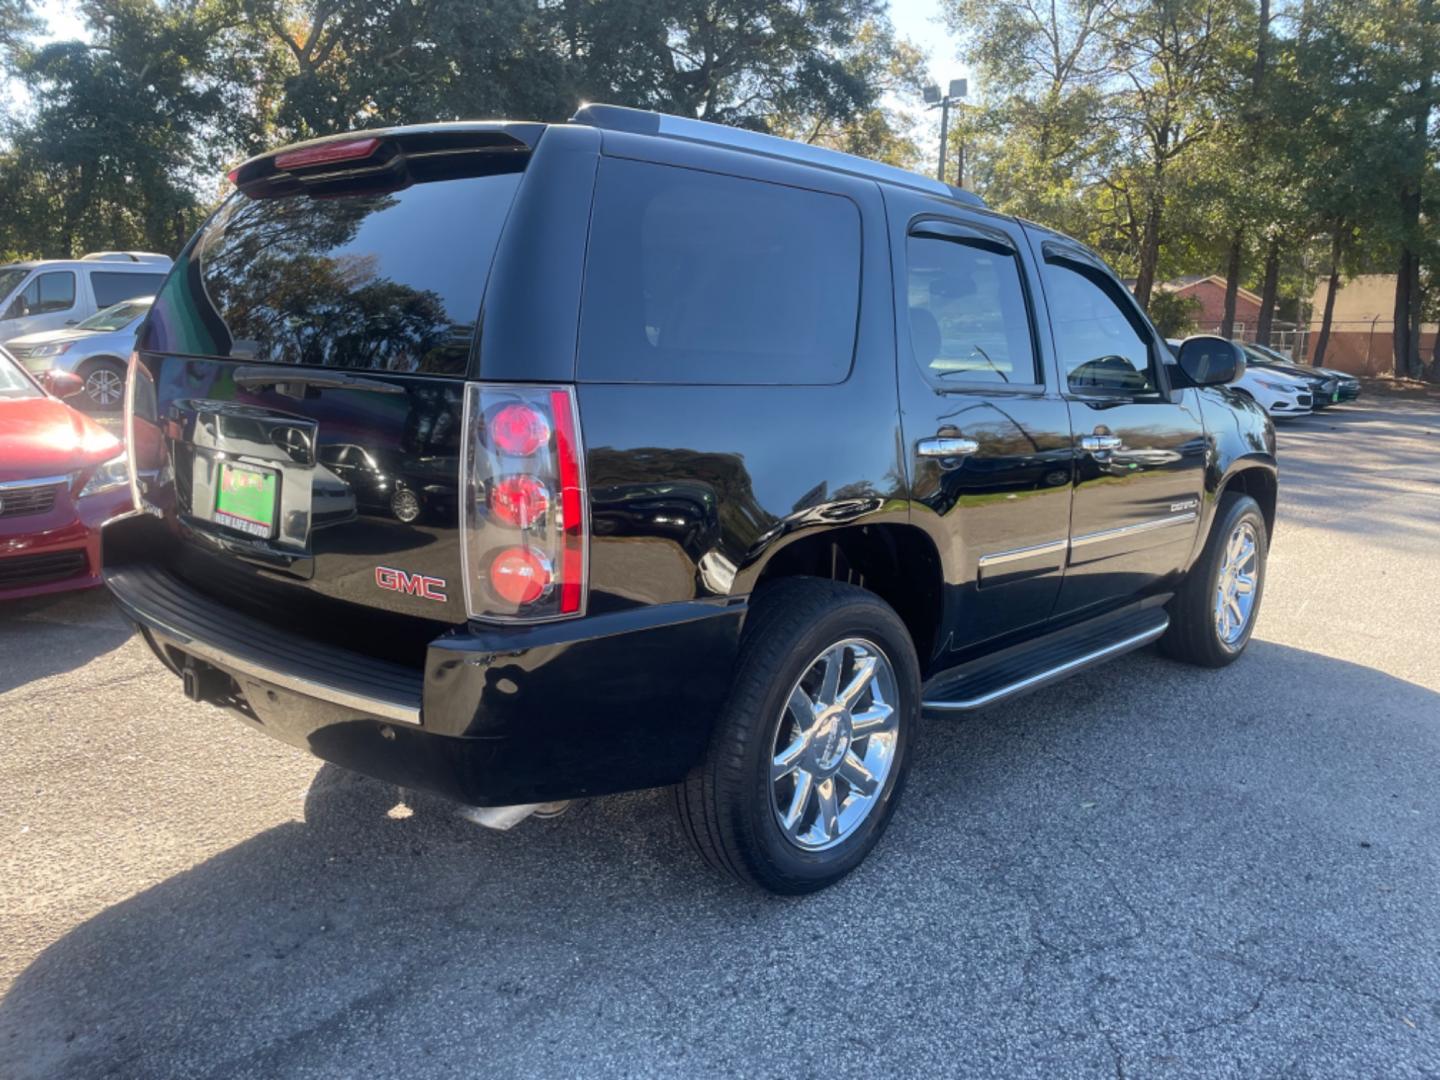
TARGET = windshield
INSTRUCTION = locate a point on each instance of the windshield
(10, 276)
(14, 383)
(116, 317)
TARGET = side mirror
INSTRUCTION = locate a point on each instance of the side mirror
(62, 384)
(1207, 360)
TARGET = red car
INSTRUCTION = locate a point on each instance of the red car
(62, 476)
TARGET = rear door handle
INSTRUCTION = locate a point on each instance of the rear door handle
(945, 446)
(1101, 442)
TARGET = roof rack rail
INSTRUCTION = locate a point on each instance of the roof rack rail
(125, 256)
(644, 122)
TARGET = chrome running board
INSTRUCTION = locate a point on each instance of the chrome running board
(975, 687)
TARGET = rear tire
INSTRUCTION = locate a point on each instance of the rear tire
(104, 385)
(805, 766)
(1213, 614)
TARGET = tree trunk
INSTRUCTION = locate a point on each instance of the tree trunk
(1257, 76)
(1400, 317)
(1232, 285)
(1334, 287)
(1149, 253)
(1268, 291)
(1417, 362)
(1406, 333)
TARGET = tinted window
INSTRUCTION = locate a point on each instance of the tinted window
(387, 281)
(699, 278)
(53, 291)
(968, 317)
(1101, 340)
(111, 288)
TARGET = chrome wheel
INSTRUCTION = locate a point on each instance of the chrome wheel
(405, 505)
(834, 744)
(105, 387)
(1235, 588)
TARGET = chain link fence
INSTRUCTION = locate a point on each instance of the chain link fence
(1359, 346)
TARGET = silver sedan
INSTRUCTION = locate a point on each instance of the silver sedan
(97, 349)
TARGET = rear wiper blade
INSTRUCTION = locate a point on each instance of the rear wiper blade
(279, 375)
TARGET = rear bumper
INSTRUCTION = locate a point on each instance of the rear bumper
(607, 703)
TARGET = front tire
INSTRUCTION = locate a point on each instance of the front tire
(1213, 614)
(811, 749)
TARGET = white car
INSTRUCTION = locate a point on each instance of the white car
(1275, 392)
(52, 294)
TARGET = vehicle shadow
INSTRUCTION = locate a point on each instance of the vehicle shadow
(38, 635)
(1055, 863)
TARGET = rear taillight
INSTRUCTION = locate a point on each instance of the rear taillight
(525, 536)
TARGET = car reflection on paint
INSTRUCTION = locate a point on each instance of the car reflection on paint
(409, 489)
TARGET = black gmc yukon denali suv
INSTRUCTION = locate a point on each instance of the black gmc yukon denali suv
(517, 463)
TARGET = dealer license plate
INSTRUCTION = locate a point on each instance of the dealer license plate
(245, 499)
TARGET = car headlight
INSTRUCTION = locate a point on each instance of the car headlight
(108, 476)
(54, 348)
(1279, 387)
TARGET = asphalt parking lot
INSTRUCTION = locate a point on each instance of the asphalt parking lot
(1148, 871)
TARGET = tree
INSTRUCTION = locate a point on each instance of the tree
(1174, 62)
(1043, 68)
(123, 137)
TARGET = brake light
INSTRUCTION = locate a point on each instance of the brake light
(520, 575)
(519, 429)
(525, 534)
(327, 153)
(519, 500)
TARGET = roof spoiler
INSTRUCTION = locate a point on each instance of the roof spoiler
(387, 159)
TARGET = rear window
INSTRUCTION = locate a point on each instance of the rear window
(693, 277)
(111, 287)
(388, 281)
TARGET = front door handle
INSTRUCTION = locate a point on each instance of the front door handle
(1101, 442)
(946, 446)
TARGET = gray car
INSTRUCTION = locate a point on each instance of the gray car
(97, 349)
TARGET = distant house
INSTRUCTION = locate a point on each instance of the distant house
(1361, 326)
(1209, 289)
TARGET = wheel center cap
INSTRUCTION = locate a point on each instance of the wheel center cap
(831, 740)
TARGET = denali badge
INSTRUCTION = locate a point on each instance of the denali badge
(1188, 504)
(428, 588)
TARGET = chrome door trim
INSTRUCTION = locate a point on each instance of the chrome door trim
(1000, 558)
(1187, 518)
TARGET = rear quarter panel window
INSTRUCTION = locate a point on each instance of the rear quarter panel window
(697, 277)
(111, 287)
(387, 281)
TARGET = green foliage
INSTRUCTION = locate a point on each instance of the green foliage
(1173, 314)
(130, 132)
(1166, 132)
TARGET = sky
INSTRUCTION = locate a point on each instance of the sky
(918, 20)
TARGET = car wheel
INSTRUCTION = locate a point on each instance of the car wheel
(1213, 614)
(405, 505)
(810, 751)
(104, 385)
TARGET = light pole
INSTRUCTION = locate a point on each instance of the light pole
(934, 99)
